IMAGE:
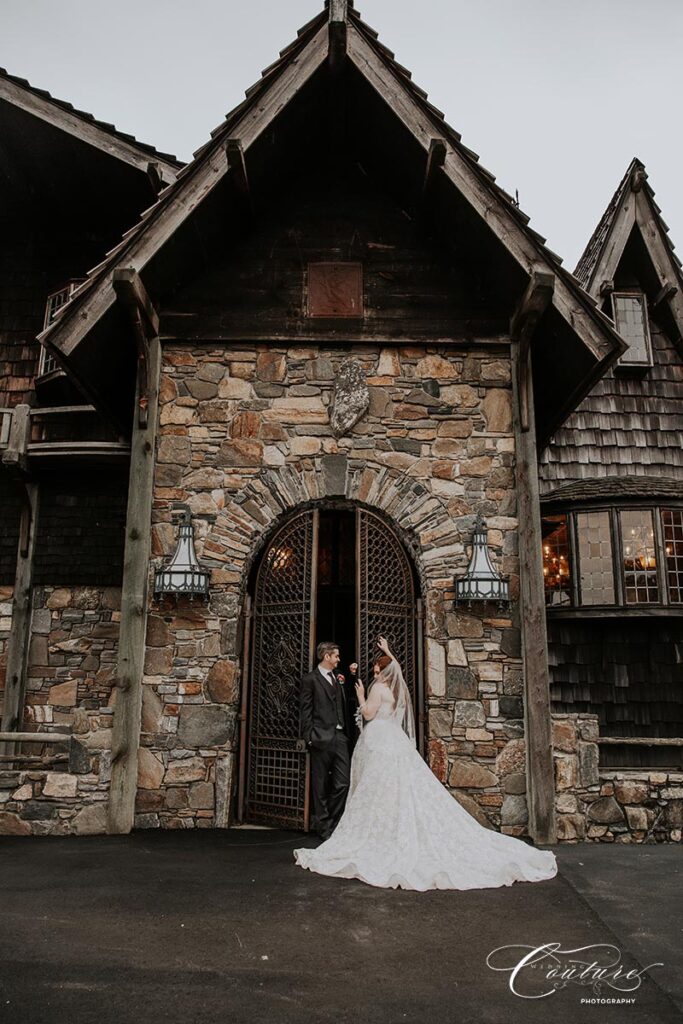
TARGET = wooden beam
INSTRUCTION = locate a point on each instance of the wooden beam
(87, 131)
(131, 291)
(38, 737)
(540, 779)
(144, 320)
(65, 334)
(238, 171)
(20, 631)
(613, 247)
(436, 157)
(525, 320)
(660, 254)
(665, 294)
(155, 176)
(593, 329)
(15, 455)
(338, 12)
(131, 649)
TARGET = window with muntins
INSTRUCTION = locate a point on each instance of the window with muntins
(53, 304)
(596, 570)
(613, 557)
(557, 576)
(641, 585)
(672, 530)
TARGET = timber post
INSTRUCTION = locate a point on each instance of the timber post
(537, 718)
(131, 650)
(15, 459)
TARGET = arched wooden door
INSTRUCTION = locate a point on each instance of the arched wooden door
(274, 765)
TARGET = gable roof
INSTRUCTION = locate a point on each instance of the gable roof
(632, 206)
(410, 105)
(627, 425)
(84, 126)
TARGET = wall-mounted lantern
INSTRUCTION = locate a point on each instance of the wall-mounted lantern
(183, 574)
(481, 582)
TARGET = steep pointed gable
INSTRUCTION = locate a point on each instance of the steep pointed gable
(578, 325)
(633, 210)
(624, 439)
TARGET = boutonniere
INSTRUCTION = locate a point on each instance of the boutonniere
(340, 679)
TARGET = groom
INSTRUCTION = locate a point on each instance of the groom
(322, 719)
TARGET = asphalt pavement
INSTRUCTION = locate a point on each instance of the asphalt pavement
(221, 926)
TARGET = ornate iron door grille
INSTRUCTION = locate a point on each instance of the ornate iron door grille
(284, 624)
(283, 638)
(385, 595)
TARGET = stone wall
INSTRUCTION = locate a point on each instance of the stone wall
(72, 657)
(610, 805)
(245, 438)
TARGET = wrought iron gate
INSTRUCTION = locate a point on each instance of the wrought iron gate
(385, 600)
(283, 642)
(274, 788)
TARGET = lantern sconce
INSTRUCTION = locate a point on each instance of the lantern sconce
(183, 575)
(481, 582)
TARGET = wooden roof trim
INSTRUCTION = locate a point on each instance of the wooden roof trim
(571, 302)
(614, 244)
(86, 128)
(596, 489)
(635, 206)
(191, 188)
(663, 259)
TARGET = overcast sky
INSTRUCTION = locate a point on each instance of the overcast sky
(556, 96)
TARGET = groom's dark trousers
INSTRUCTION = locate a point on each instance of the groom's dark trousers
(322, 720)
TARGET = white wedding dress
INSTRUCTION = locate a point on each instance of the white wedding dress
(402, 829)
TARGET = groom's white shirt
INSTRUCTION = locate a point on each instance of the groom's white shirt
(326, 673)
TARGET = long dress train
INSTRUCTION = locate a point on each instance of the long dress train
(402, 829)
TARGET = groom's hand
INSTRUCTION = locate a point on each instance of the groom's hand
(353, 669)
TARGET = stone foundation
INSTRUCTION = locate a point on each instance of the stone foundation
(72, 660)
(610, 805)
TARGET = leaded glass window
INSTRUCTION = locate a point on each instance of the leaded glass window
(641, 585)
(672, 527)
(595, 557)
(556, 563)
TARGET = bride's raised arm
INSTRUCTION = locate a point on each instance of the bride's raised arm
(383, 645)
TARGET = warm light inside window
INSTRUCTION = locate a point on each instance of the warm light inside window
(672, 527)
(556, 562)
(640, 564)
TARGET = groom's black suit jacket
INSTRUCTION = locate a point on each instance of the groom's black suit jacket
(318, 710)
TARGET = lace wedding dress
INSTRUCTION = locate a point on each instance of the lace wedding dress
(402, 829)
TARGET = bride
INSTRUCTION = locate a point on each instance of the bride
(401, 828)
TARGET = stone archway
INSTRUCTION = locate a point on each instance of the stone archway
(357, 580)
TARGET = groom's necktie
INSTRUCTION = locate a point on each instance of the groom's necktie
(338, 701)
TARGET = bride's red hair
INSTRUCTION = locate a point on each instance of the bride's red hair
(382, 661)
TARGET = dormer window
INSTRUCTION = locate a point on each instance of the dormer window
(630, 319)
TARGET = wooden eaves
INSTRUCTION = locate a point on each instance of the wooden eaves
(88, 129)
(279, 84)
(633, 206)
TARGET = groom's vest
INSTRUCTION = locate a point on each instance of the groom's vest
(339, 701)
